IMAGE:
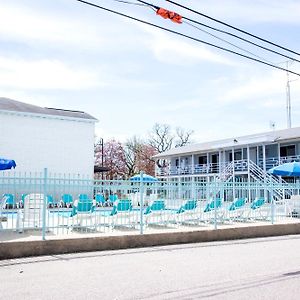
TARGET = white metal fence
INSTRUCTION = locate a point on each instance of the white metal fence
(59, 205)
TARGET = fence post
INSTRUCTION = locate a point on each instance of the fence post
(44, 205)
(215, 202)
(272, 203)
(193, 194)
(141, 203)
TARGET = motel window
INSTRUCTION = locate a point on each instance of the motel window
(289, 150)
(202, 160)
(177, 162)
(237, 155)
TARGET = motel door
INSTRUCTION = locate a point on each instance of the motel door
(214, 160)
(253, 155)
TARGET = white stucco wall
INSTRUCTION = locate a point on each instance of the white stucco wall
(38, 142)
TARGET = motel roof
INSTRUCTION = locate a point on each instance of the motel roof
(21, 107)
(235, 142)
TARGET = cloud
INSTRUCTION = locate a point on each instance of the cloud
(255, 86)
(45, 74)
(177, 51)
(176, 106)
(26, 24)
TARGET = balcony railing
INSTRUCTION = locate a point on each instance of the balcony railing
(217, 168)
(275, 161)
(212, 168)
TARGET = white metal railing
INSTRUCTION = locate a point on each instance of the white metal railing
(275, 161)
(217, 168)
(211, 168)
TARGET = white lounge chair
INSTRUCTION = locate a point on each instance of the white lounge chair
(32, 216)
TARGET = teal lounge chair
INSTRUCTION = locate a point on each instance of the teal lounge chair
(211, 205)
(83, 197)
(212, 210)
(236, 209)
(100, 200)
(155, 212)
(66, 200)
(50, 201)
(122, 213)
(8, 201)
(258, 210)
(258, 203)
(123, 205)
(237, 204)
(22, 201)
(188, 212)
(112, 199)
(83, 210)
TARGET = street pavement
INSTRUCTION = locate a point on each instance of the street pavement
(266, 268)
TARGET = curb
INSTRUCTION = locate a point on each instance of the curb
(10, 250)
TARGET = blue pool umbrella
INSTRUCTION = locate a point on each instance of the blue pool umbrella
(287, 169)
(6, 164)
(146, 178)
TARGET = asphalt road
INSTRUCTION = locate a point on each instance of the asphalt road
(266, 268)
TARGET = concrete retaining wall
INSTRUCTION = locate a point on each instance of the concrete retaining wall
(9, 250)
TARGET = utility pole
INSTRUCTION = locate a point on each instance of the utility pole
(288, 98)
(102, 154)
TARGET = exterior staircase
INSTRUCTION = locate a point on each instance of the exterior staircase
(279, 187)
(280, 190)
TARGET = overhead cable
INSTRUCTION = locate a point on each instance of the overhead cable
(226, 32)
(233, 27)
(225, 41)
(184, 35)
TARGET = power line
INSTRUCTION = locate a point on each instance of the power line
(225, 41)
(233, 27)
(242, 39)
(228, 33)
(184, 35)
(129, 2)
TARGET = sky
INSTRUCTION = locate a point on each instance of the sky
(64, 54)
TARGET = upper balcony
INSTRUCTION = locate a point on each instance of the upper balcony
(216, 168)
(212, 168)
(275, 161)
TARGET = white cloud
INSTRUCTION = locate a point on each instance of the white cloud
(255, 87)
(27, 24)
(176, 50)
(189, 104)
(44, 74)
(102, 132)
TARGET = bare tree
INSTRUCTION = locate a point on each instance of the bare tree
(131, 150)
(183, 137)
(161, 137)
